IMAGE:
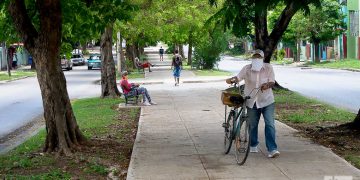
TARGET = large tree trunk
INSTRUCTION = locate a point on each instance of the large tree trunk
(267, 42)
(63, 133)
(133, 52)
(181, 51)
(356, 122)
(176, 47)
(33, 65)
(8, 63)
(137, 50)
(129, 53)
(141, 50)
(108, 73)
(316, 52)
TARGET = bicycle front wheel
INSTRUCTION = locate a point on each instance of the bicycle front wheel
(229, 129)
(242, 141)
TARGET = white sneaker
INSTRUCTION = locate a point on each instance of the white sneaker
(254, 149)
(274, 154)
(146, 103)
(153, 103)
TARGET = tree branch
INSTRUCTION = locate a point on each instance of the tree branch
(23, 23)
(261, 32)
(282, 23)
(50, 21)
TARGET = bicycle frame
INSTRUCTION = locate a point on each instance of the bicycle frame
(233, 132)
(237, 123)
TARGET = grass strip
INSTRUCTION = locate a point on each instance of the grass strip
(15, 74)
(110, 132)
(295, 108)
(207, 72)
(323, 123)
(338, 64)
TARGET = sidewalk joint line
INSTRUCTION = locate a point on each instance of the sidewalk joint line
(192, 140)
(282, 172)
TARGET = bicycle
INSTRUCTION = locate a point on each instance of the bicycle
(234, 127)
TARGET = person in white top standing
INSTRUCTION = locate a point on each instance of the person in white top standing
(259, 75)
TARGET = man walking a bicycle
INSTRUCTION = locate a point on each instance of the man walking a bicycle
(259, 75)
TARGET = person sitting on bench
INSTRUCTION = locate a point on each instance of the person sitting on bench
(144, 65)
(132, 89)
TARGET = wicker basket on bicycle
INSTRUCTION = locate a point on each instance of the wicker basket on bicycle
(232, 98)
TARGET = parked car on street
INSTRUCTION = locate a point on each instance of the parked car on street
(77, 59)
(94, 61)
(66, 64)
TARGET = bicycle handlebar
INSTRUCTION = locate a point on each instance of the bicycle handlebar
(235, 84)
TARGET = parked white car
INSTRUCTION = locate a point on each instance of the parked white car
(66, 64)
(77, 59)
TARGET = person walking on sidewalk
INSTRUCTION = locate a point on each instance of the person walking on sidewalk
(135, 89)
(161, 52)
(259, 75)
(177, 65)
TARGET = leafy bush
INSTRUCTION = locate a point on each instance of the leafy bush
(237, 50)
(129, 65)
(208, 51)
(170, 49)
(278, 55)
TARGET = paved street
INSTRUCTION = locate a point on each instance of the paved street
(182, 138)
(21, 100)
(337, 87)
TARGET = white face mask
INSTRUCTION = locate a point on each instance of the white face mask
(257, 64)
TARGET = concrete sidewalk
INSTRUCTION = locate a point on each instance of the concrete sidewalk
(162, 74)
(182, 138)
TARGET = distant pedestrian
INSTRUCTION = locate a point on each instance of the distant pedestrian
(161, 52)
(177, 64)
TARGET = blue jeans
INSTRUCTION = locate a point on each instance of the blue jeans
(254, 117)
(141, 90)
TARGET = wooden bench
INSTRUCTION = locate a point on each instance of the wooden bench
(139, 68)
(130, 99)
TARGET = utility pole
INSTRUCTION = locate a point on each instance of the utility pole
(118, 51)
(3, 54)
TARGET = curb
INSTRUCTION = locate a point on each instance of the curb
(22, 134)
(311, 67)
(353, 70)
(7, 81)
(130, 173)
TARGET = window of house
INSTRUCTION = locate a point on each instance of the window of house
(354, 23)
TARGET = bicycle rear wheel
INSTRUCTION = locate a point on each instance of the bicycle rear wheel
(242, 141)
(229, 128)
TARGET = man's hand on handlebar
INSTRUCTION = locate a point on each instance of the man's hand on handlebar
(266, 86)
(232, 80)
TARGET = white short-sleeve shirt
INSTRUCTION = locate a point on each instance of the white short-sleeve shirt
(254, 79)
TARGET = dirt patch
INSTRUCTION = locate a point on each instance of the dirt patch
(340, 138)
(107, 156)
